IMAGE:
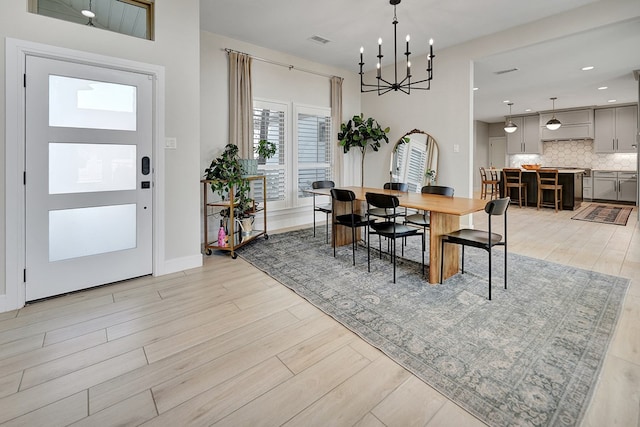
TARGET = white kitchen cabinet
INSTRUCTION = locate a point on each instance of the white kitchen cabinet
(627, 186)
(615, 129)
(576, 125)
(587, 188)
(615, 186)
(526, 139)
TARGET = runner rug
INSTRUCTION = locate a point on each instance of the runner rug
(617, 215)
(530, 356)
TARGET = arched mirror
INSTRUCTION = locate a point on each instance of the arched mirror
(415, 153)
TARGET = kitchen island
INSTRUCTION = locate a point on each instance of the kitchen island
(570, 179)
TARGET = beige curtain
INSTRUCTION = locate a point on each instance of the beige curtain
(240, 104)
(336, 120)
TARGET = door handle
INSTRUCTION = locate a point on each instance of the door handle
(146, 165)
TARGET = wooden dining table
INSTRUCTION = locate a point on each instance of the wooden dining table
(445, 213)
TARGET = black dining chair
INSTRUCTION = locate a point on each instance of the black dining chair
(388, 228)
(350, 219)
(326, 209)
(422, 219)
(481, 239)
(402, 187)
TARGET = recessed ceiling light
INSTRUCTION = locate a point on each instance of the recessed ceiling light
(603, 87)
(475, 88)
(590, 67)
(612, 100)
(506, 101)
(527, 110)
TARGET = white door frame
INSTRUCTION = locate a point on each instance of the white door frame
(15, 60)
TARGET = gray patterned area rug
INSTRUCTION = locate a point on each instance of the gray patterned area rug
(529, 357)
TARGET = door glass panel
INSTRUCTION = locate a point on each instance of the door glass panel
(81, 232)
(84, 168)
(89, 104)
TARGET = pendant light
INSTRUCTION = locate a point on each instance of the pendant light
(89, 14)
(554, 123)
(509, 126)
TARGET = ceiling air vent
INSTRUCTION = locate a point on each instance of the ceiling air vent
(319, 39)
(510, 70)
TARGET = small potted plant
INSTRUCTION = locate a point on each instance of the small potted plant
(430, 176)
(265, 150)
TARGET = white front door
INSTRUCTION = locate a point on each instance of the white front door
(88, 176)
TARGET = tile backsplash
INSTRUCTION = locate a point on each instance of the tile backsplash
(576, 153)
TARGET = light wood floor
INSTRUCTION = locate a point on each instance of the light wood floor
(226, 345)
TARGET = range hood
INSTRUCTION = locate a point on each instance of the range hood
(576, 125)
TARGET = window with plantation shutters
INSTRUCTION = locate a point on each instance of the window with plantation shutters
(314, 148)
(270, 123)
(303, 150)
(416, 167)
(414, 155)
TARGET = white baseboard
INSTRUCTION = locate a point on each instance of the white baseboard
(3, 304)
(179, 264)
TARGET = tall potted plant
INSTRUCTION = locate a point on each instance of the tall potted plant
(362, 133)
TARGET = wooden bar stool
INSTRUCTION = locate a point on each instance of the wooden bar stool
(548, 180)
(512, 178)
(489, 184)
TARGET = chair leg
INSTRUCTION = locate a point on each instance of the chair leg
(353, 244)
(441, 261)
(333, 240)
(393, 250)
(462, 259)
(520, 197)
(314, 220)
(368, 251)
(327, 229)
(423, 247)
(505, 266)
(489, 273)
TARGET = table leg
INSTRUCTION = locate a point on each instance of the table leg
(440, 224)
(343, 234)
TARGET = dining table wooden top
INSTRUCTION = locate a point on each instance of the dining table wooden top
(445, 213)
(431, 202)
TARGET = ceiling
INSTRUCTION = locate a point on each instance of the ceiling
(544, 70)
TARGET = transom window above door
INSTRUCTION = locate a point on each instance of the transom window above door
(131, 17)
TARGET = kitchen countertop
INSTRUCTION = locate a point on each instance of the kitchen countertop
(559, 170)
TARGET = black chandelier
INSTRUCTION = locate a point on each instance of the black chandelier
(405, 85)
